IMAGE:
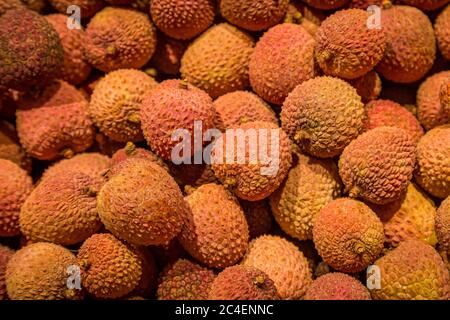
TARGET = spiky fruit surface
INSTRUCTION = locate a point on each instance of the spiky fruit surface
(10, 148)
(239, 107)
(290, 48)
(87, 7)
(337, 286)
(109, 268)
(378, 165)
(410, 47)
(16, 186)
(443, 225)
(426, 5)
(444, 96)
(183, 20)
(47, 133)
(215, 231)
(184, 280)
(61, 209)
(430, 111)
(409, 218)
(253, 15)
(391, 114)
(442, 32)
(75, 69)
(35, 5)
(131, 151)
(323, 115)
(364, 4)
(141, 203)
(283, 262)
(30, 50)
(168, 54)
(113, 35)
(310, 185)
(259, 217)
(243, 283)
(326, 4)
(414, 270)
(175, 105)
(39, 272)
(433, 162)
(249, 178)
(346, 47)
(6, 5)
(217, 61)
(116, 103)
(5, 255)
(367, 86)
(348, 235)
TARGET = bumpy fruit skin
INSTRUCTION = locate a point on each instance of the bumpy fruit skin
(87, 7)
(409, 218)
(39, 272)
(252, 180)
(184, 280)
(5, 255)
(47, 133)
(131, 151)
(253, 15)
(283, 262)
(348, 235)
(168, 54)
(391, 114)
(217, 61)
(433, 162)
(15, 186)
(367, 86)
(443, 225)
(410, 47)
(323, 115)
(442, 32)
(346, 47)
(378, 165)
(61, 209)
(364, 4)
(310, 185)
(113, 36)
(426, 5)
(141, 203)
(444, 96)
(215, 231)
(430, 111)
(412, 271)
(10, 148)
(238, 107)
(6, 5)
(259, 217)
(326, 4)
(182, 20)
(30, 50)
(175, 105)
(75, 69)
(337, 286)
(109, 268)
(283, 58)
(116, 103)
(243, 283)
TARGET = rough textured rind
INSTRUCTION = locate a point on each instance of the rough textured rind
(87, 7)
(389, 113)
(259, 217)
(75, 69)
(15, 186)
(252, 180)
(109, 268)
(39, 272)
(348, 235)
(10, 148)
(253, 15)
(290, 48)
(430, 111)
(442, 32)
(346, 48)
(141, 203)
(310, 185)
(184, 280)
(217, 61)
(412, 271)
(433, 162)
(443, 225)
(215, 231)
(283, 262)
(367, 86)
(243, 283)
(6, 5)
(410, 47)
(116, 103)
(119, 38)
(183, 20)
(444, 96)
(337, 286)
(168, 54)
(426, 5)
(326, 4)
(409, 218)
(131, 151)
(30, 50)
(5, 255)
(175, 105)
(323, 115)
(378, 165)
(61, 209)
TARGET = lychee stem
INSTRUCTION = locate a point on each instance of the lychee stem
(134, 118)
(67, 153)
(183, 84)
(130, 147)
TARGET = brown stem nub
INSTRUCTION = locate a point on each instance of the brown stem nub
(89, 191)
(386, 4)
(183, 84)
(130, 147)
(111, 50)
(354, 192)
(259, 280)
(152, 72)
(67, 153)
(134, 118)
